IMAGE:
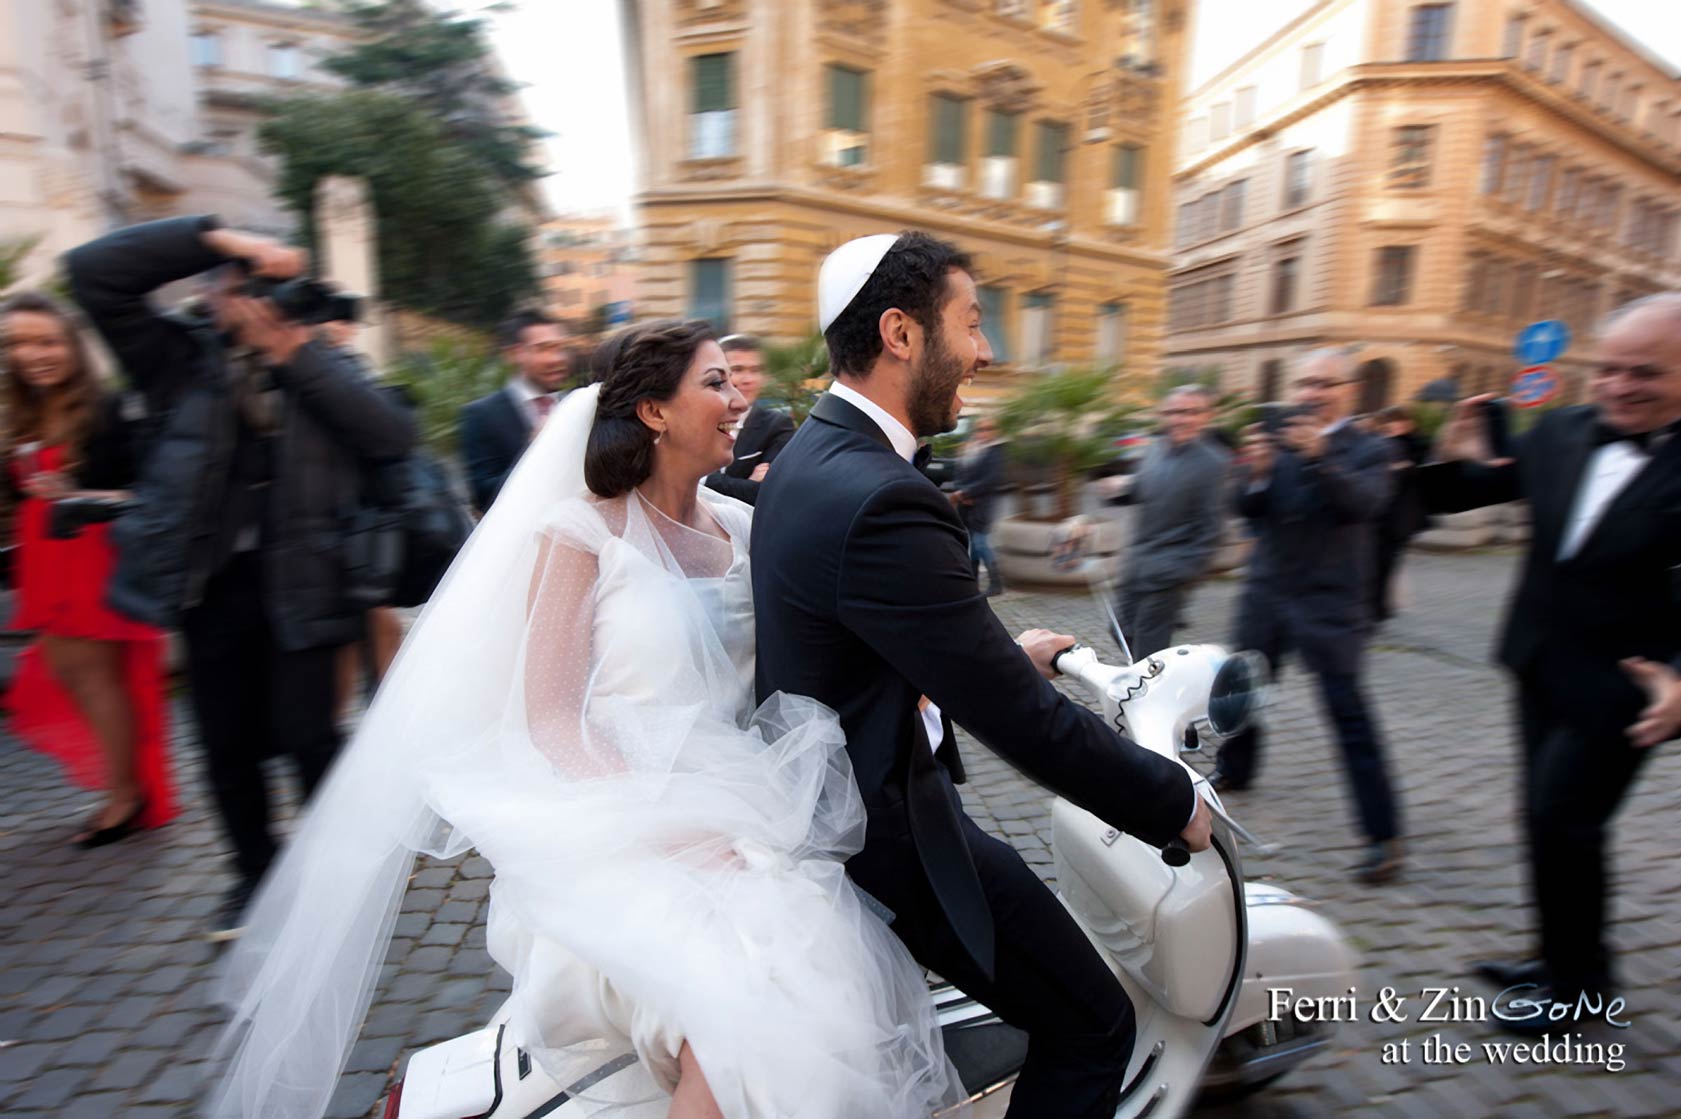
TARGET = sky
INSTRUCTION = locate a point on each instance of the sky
(568, 55)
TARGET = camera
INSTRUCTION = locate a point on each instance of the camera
(304, 300)
(1276, 417)
(67, 518)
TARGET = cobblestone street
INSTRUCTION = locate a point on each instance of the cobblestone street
(106, 980)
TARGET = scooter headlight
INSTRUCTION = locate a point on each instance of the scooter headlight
(1235, 696)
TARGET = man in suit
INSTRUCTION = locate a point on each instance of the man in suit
(980, 479)
(761, 433)
(866, 600)
(1180, 491)
(1593, 631)
(1311, 495)
(496, 429)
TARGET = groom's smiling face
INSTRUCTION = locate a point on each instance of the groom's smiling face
(950, 356)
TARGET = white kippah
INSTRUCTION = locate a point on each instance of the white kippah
(845, 272)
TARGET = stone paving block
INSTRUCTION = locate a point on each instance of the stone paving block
(175, 1084)
(22, 1062)
(130, 1069)
(93, 1048)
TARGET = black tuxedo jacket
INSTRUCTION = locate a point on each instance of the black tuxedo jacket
(866, 601)
(763, 435)
(494, 434)
(1315, 543)
(1569, 621)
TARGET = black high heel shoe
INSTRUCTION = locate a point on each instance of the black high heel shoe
(100, 837)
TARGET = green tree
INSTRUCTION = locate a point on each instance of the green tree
(442, 247)
(1064, 423)
(443, 379)
(794, 373)
(442, 62)
(13, 252)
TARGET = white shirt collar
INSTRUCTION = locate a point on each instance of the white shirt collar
(523, 390)
(1338, 426)
(904, 443)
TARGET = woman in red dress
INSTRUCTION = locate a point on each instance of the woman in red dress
(90, 690)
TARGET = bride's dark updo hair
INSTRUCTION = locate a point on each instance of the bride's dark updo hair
(643, 362)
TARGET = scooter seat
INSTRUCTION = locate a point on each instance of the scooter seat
(984, 1050)
(986, 1054)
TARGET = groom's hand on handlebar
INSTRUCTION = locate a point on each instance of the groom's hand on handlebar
(1197, 834)
(1041, 645)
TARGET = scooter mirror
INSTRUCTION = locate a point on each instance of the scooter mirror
(1235, 696)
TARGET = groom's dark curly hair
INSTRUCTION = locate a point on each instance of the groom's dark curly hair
(643, 362)
(911, 277)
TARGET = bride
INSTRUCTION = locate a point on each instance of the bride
(576, 703)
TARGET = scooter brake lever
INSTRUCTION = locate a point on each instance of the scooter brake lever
(1237, 829)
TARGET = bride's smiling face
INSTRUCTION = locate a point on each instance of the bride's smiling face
(700, 415)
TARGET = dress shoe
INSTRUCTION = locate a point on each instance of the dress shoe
(1381, 864)
(1222, 784)
(230, 921)
(1510, 973)
(95, 836)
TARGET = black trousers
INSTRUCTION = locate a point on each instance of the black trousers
(1047, 978)
(1390, 548)
(1572, 786)
(254, 700)
(1148, 618)
(1362, 751)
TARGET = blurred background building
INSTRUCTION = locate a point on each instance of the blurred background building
(588, 266)
(1035, 134)
(114, 112)
(1419, 181)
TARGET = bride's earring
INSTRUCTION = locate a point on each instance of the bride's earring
(657, 437)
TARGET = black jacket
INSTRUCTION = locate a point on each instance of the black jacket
(1570, 621)
(763, 435)
(494, 434)
(866, 601)
(333, 421)
(1314, 550)
(981, 480)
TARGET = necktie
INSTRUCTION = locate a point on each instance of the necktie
(544, 405)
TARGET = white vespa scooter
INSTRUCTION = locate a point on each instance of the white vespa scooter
(1196, 948)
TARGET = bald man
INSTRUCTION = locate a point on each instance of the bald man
(1593, 630)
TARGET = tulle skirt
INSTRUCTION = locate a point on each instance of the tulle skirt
(702, 899)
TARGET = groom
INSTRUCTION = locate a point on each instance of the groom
(866, 600)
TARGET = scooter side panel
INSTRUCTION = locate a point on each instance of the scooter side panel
(1162, 926)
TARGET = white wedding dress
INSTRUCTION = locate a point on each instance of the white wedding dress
(668, 859)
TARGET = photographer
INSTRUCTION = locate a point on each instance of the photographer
(90, 691)
(261, 434)
(1310, 488)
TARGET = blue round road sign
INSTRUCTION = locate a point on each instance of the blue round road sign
(1534, 386)
(1541, 342)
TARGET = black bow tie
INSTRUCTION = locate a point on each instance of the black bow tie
(1603, 436)
(923, 454)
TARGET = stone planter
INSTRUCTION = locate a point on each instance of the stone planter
(1025, 548)
(1454, 532)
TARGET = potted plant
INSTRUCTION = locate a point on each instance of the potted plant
(1061, 427)
(795, 375)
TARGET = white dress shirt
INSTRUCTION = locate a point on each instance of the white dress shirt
(525, 395)
(1610, 469)
(904, 445)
